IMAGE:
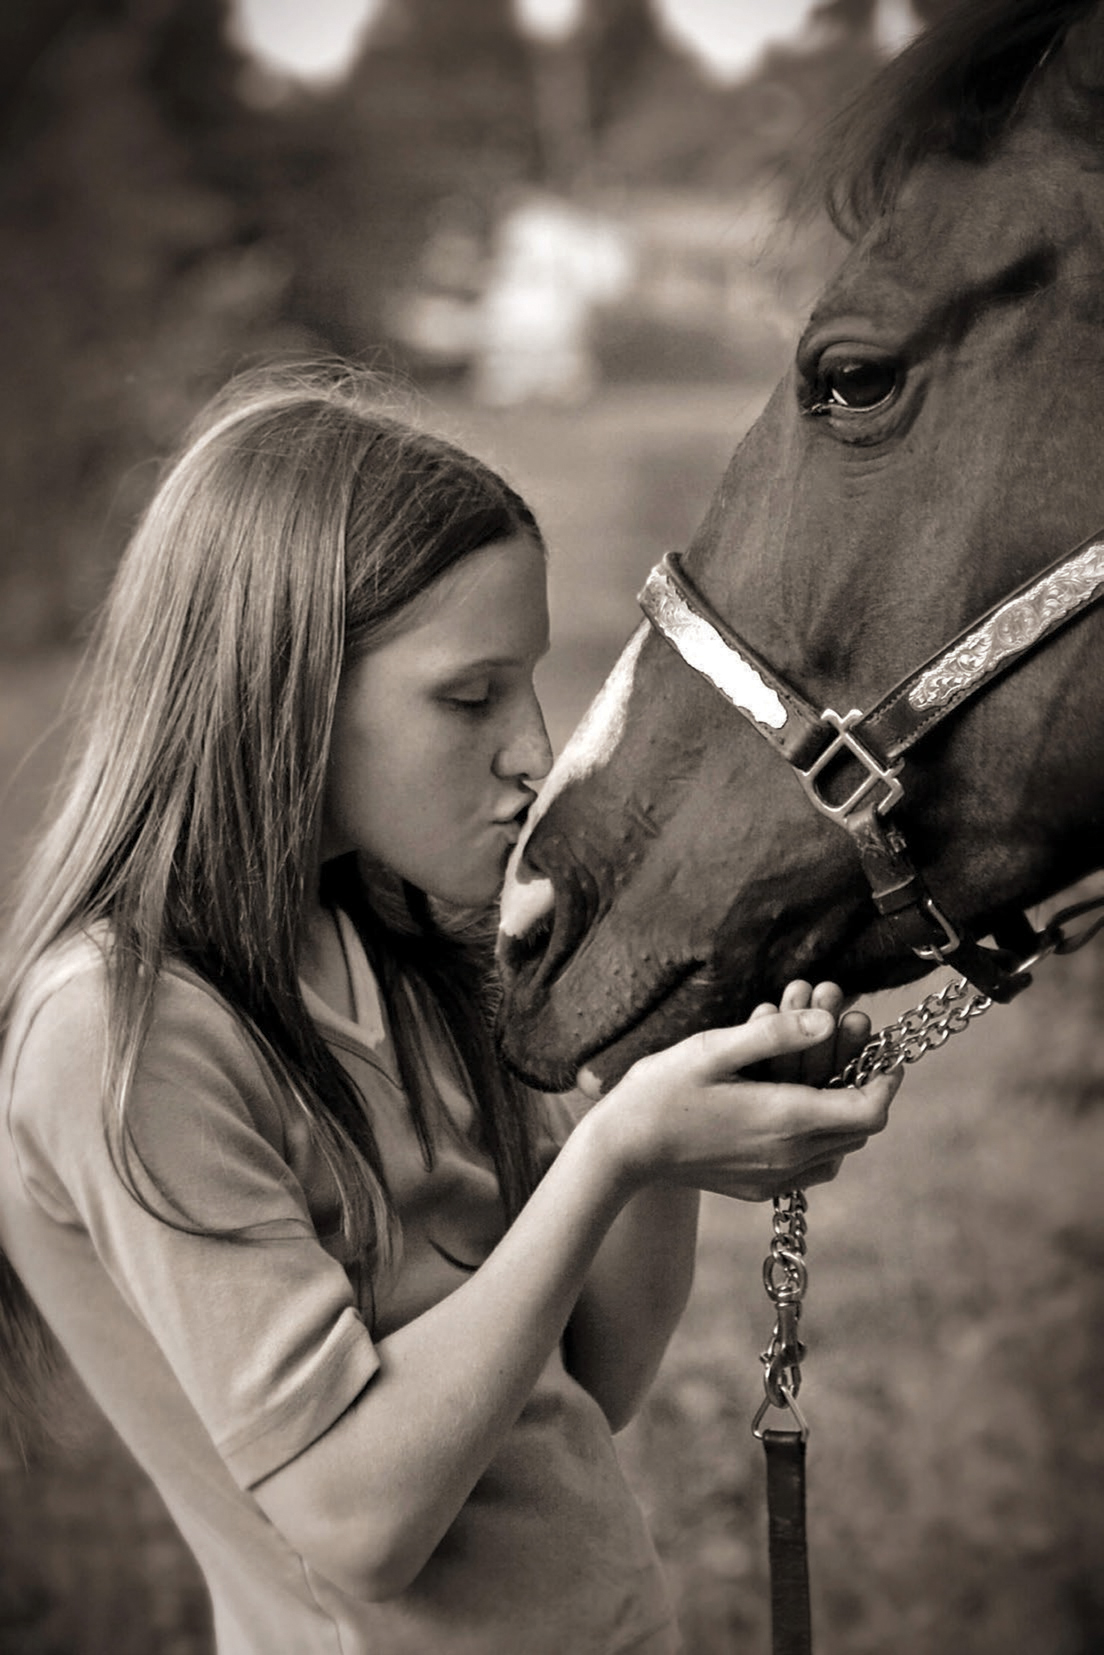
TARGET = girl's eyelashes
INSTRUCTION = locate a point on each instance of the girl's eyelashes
(483, 695)
(475, 699)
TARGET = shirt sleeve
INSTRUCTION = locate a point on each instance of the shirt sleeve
(257, 1321)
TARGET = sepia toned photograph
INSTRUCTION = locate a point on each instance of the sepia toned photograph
(551, 806)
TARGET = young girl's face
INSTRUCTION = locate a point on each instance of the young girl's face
(438, 732)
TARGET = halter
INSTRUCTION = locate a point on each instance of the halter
(818, 744)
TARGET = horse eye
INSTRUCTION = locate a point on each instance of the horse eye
(858, 383)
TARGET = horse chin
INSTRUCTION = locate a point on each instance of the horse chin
(696, 1004)
(693, 1008)
(539, 1037)
(874, 975)
(542, 1054)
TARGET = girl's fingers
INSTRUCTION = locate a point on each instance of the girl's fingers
(839, 1120)
(828, 997)
(854, 1031)
(721, 1053)
(796, 996)
(876, 1094)
(815, 1067)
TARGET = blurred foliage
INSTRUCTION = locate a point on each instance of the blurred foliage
(168, 212)
(125, 272)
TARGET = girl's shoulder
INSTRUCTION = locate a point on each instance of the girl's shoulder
(76, 966)
(197, 1085)
(70, 986)
(62, 1001)
(60, 1036)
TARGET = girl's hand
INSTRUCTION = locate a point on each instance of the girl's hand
(692, 1115)
(816, 1065)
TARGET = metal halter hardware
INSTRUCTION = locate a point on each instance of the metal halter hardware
(813, 741)
(875, 772)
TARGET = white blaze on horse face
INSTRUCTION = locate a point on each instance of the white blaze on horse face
(593, 744)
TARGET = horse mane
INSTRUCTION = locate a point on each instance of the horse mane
(953, 91)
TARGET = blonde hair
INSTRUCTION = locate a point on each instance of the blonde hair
(290, 535)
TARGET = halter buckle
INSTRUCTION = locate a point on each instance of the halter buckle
(950, 941)
(876, 773)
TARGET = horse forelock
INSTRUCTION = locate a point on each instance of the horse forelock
(956, 90)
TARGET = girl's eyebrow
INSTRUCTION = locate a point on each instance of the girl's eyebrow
(486, 663)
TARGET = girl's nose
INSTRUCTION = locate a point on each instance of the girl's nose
(528, 752)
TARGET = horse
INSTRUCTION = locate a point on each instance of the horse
(931, 451)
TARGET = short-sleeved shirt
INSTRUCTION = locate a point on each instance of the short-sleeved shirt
(220, 1357)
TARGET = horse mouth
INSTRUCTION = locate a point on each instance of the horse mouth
(538, 1045)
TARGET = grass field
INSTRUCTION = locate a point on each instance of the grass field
(956, 1361)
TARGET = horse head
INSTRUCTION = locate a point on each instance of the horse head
(933, 446)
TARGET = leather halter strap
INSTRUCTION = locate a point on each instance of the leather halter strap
(812, 742)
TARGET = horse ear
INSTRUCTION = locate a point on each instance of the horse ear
(1076, 76)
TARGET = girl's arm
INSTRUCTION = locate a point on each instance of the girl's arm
(370, 1500)
(633, 1298)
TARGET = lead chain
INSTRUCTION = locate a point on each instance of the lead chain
(927, 1026)
(930, 1024)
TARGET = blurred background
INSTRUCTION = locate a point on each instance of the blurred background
(560, 230)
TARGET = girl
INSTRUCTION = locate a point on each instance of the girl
(365, 1311)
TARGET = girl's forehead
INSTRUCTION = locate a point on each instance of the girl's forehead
(491, 609)
(493, 603)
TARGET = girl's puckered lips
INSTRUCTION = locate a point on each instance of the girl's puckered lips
(513, 821)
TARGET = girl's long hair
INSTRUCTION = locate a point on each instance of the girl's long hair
(295, 527)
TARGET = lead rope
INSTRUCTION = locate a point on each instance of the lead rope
(926, 1027)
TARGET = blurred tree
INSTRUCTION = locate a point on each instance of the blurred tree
(166, 210)
(27, 28)
(655, 111)
(852, 18)
(439, 109)
(125, 286)
(625, 49)
(194, 73)
(775, 119)
(930, 11)
(661, 118)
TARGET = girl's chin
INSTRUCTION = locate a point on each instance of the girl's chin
(474, 882)
(476, 891)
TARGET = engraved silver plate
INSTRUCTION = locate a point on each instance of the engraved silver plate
(1014, 627)
(702, 647)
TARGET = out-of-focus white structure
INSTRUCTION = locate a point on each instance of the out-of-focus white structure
(639, 284)
(552, 263)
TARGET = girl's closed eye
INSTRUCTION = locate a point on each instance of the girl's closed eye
(469, 697)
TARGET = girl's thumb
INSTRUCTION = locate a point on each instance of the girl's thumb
(764, 1037)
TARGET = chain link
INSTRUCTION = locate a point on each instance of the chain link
(927, 1026)
(923, 1029)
